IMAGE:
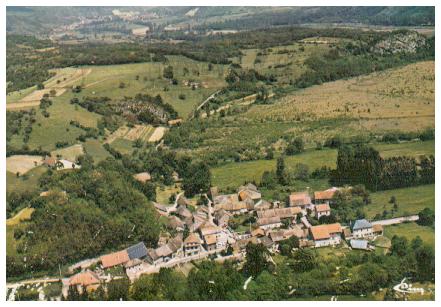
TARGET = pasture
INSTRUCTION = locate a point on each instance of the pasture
(236, 173)
(27, 182)
(70, 153)
(22, 163)
(411, 231)
(410, 201)
(396, 99)
(119, 81)
(96, 150)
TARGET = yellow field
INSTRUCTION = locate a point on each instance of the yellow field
(396, 99)
(22, 163)
(23, 215)
(143, 132)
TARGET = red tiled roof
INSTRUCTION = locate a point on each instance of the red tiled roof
(113, 259)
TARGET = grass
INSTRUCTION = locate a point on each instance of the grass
(123, 146)
(96, 150)
(105, 81)
(29, 182)
(235, 174)
(70, 153)
(23, 215)
(411, 231)
(163, 193)
(397, 99)
(410, 200)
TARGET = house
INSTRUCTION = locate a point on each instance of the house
(183, 201)
(267, 242)
(282, 213)
(163, 209)
(192, 245)
(88, 279)
(377, 230)
(210, 242)
(325, 197)
(133, 266)
(165, 252)
(322, 210)
(301, 200)
(305, 222)
(114, 259)
(361, 244)
(222, 217)
(175, 223)
(362, 229)
(137, 251)
(143, 177)
(212, 230)
(262, 205)
(258, 232)
(183, 212)
(347, 234)
(49, 161)
(249, 191)
(174, 122)
(266, 223)
(284, 234)
(326, 234)
(232, 204)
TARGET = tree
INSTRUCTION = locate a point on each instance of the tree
(301, 172)
(118, 290)
(256, 259)
(280, 171)
(399, 246)
(426, 217)
(286, 246)
(197, 179)
(168, 72)
(295, 146)
(268, 180)
(305, 260)
(425, 258)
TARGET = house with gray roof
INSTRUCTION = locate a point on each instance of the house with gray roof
(137, 251)
(362, 229)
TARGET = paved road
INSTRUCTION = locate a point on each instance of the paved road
(397, 220)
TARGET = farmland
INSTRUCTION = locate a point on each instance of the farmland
(410, 201)
(233, 174)
(411, 231)
(397, 99)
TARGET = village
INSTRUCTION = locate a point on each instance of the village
(204, 232)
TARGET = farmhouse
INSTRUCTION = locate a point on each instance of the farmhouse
(282, 213)
(322, 210)
(324, 197)
(49, 161)
(249, 191)
(165, 252)
(377, 230)
(362, 229)
(326, 234)
(222, 217)
(133, 266)
(114, 259)
(192, 245)
(208, 231)
(301, 200)
(88, 279)
(269, 222)
(137, 251)
(210, 242)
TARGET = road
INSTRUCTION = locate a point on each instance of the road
(397, 220)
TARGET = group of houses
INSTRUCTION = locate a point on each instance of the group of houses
(203, 230)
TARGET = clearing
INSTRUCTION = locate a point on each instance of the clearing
(411, 231)
(22, 163)
(70, 153)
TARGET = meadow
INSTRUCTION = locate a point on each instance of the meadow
(410, 201)
(396, 99)
(411, 231)
(234, 174)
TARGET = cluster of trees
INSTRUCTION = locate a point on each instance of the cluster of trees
(103, 211)
(19, 123)
(361, 164)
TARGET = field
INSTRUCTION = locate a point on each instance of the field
(411, 231)
(29, 182)
(23, 215)
(147, 78)
(285, 62)
(235, 174)
(397, 99)
(22, 163)
(96, 150)
(70, 153)
(410, 200)
(146, 133)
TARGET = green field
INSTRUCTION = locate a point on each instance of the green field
(24, 183)
(123, 146)
(234, 174)
(411, 231)
(410, 200)
(95, 149)
(105, 81)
